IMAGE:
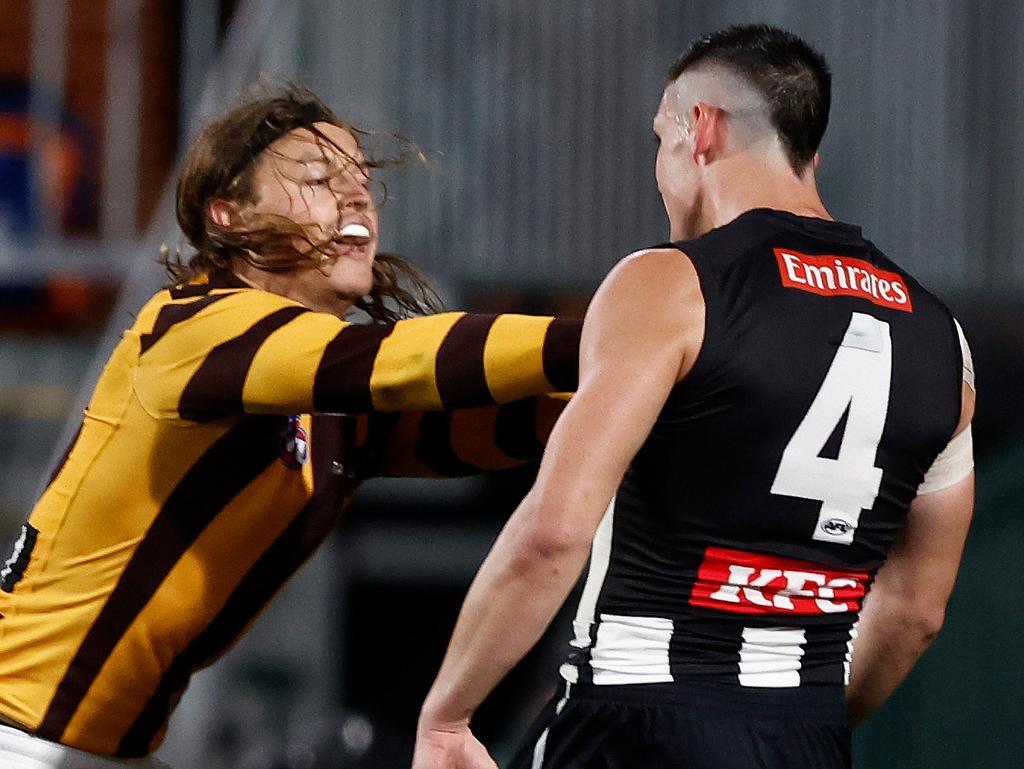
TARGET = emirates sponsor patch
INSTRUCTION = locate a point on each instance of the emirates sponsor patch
(843, 276)
(755, 583)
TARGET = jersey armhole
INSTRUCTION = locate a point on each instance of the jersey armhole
(700, 362)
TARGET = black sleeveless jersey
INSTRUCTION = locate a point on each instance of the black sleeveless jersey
(748, 527)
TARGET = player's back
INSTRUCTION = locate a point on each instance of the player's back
(749, 525)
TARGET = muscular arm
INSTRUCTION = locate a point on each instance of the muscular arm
(906, 606)
(641, 334)
(254, 352)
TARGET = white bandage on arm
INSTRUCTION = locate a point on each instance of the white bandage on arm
(956, 460)
(951, 465)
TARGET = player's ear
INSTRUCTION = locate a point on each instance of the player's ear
(707, 126)
(223, 212)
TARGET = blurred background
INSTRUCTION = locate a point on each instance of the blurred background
(535, 117)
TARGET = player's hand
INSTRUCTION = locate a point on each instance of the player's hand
(449, 746)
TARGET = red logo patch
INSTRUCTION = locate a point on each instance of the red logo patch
(843, 276)
(754, 583)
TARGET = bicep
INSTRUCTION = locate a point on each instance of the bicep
(637, 338)
(923, 564)
(924, 561)
(956, 460)
(598, 434)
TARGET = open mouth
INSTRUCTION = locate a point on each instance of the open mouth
(353, 241)
(353, 234)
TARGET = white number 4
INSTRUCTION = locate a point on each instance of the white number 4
(857, 384)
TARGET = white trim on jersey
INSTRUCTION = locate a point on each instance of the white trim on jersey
(771, 656)
(632, 650)
(600, 555)
(965, 353)
(849, 653)
(21, 750)
(542, 741)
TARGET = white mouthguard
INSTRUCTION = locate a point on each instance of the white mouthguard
(354, 231)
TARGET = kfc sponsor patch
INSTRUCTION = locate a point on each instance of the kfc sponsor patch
(755, 583)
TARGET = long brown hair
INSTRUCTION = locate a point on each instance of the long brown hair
(219, 164)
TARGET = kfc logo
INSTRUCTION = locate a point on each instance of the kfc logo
(843, 276)
(754, 583)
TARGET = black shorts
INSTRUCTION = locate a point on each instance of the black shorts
(691, 726)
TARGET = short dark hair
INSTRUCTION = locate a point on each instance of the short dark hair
(791, 76)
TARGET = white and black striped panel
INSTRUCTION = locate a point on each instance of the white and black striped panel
(21, 553)
(771, 656)
(586, 612)
(631, 650)
(541, 745)
(646, 649)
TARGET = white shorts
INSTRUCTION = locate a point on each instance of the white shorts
(21, 750)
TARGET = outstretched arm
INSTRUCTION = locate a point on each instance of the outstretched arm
(249, 351)
(460, 442)
(641, 334)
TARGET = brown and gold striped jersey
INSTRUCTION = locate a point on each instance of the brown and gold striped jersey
(222, 441)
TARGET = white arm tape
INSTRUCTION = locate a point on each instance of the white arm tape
(952, 465)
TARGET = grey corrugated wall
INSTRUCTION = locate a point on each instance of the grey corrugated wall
(537, 117)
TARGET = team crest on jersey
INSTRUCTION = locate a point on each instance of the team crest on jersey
(295, 450)
(836, 527)
(843, 276)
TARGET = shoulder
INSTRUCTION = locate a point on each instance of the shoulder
(238, 300)
(650, 296)
(654, 271)
(217, 314)
(651, 282)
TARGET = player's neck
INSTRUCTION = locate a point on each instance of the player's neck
(304, 286)
(743, 186)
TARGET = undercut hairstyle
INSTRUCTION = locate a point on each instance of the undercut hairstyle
(792, 77)
(219, 165)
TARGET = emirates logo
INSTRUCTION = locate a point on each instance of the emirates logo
(843, 276)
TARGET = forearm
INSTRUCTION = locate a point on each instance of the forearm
(891, 637)
(448, 444)
(463, 361)
(907, 603)
(513, 599)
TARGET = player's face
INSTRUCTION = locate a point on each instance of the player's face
(323, 187)
(675, 169)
